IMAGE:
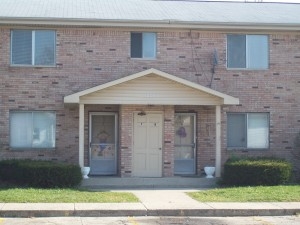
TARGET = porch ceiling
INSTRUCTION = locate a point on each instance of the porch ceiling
(151, 87)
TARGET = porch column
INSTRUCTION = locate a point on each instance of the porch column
(81, 135)
(218, 141)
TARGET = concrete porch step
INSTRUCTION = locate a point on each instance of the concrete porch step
(148, 183)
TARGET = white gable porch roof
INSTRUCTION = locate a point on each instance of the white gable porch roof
(151, 87)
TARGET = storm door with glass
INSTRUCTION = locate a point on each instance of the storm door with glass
(103, 143)
(185, 145)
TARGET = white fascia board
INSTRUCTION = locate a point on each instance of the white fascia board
(152, 24)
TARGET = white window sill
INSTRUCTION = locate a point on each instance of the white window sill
(31, 149)
(246, 149)
(143, 59)
(33, 66)
(248, 69)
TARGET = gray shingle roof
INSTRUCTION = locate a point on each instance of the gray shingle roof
(171, 12)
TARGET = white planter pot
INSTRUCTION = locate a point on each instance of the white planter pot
(209, 171)
(85, 171)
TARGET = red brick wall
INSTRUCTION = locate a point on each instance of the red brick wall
(90, 57)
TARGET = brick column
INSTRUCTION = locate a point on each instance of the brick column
(126, 129)
(81, 135)
(168, 141)
(218, 141)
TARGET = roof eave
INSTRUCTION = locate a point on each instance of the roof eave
(148, 23)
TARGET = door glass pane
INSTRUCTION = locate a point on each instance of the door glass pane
(103, 137)
(21, 47)
(184, 137)
(44, 47)
(236, 130)
(257, 51)
(184, 158)
(236, 51)
(258, 130)
(149, 45)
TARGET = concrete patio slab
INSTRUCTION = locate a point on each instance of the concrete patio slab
(147, 183)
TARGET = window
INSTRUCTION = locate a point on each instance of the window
(32, 129)
(247, 51)
(143, 45)
(33, 47)
(248, 130)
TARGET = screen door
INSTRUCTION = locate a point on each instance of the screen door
(185, 147)
(103, 143)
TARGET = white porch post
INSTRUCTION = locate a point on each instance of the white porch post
(218, 141)
(81, 135)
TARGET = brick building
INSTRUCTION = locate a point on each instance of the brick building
(148, 88)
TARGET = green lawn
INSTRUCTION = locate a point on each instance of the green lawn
(241, 194)
(289, 193)
(32, 195)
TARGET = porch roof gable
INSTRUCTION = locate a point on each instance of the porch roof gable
(151, 86)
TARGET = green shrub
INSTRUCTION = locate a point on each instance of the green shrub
(43, 174)
(256, 171)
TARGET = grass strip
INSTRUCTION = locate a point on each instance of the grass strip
(34, 195)
(289, 193)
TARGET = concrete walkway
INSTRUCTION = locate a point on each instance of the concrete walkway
(153, 203)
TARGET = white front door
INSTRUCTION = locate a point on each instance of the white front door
(147, 145)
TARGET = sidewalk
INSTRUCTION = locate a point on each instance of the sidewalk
(153, 203)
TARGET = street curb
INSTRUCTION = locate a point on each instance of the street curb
(143, 211)
(223, 212)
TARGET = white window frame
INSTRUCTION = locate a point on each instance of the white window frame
(247, 131)
(31, 135)
(33, 63)
(143, 50)
(248, 58)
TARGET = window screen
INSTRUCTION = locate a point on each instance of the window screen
(32, 129)
(44, 47)
(136, 45)
(143, 45)
(33, 47)
(247, 51)
(21, 47)
(236, 130)
(236, 51)
(258, 130)
(248, 130)
(257, 51)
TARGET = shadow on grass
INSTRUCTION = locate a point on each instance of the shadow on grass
(4, 185)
